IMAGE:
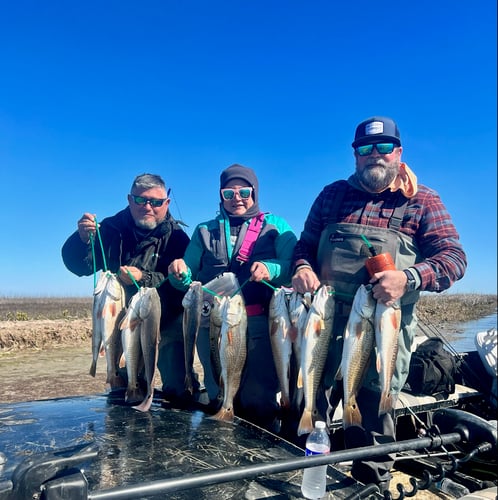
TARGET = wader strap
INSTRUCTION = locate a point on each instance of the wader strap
(250, 238)
(398, 213)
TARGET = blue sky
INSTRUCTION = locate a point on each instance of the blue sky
(93, 93)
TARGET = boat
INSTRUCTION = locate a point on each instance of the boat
(89, 447)
(96, 447)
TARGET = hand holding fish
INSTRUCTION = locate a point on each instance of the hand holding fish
(259, 272)
(305, 281)
(86, 227)
(389, 286)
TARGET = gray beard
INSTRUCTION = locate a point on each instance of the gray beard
(147, 224)
(376, 178)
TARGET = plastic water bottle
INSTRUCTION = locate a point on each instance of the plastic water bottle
(315, 478)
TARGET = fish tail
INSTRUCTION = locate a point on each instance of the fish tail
(305, 424)
(93, 368)
(352, 415)
(145, 404)
(386, 403)
(133, 395)
(224, 414)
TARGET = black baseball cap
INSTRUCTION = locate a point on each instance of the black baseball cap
(376, 129)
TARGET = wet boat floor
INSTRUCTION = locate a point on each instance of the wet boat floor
(136, 447)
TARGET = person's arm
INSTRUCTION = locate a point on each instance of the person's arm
(444, 260)
(77, 256)
(280, 267)
(304, 277)
(181, 270)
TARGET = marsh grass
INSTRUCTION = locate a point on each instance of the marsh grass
(52, 308)
(432, 308)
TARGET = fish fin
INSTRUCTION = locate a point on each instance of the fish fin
(338, 373)
(230, 337)
(299, 382)
(293, 333)
(305, 424)
(102, 351)
(285, 402)
(224, 414)
(378, 363)
(122, 361)
(93, 368)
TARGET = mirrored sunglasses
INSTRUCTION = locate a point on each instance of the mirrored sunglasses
(229, 193)
(383, 148)
(153, 202)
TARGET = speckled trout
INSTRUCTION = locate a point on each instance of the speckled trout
(387, 327)
(314, 351)
(192, 308)
(140, 333)
(281, 342)
(108, 310)
(357, 350)
(233, 351)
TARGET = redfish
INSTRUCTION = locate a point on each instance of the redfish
(314, 351)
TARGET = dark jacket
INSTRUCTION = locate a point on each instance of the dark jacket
(125, 244)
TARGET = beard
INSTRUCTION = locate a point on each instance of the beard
(377, 173)
(148, 223)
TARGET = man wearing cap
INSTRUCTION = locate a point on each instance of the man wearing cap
(379, 208)
(219, 246)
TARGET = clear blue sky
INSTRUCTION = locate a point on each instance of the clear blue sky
(93, 93)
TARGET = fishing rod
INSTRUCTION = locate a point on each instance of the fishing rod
(58, 471)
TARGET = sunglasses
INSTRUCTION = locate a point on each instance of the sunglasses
(383, 148)
(229, 193)
(154, 203)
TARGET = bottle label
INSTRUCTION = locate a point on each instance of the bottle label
(318, 450)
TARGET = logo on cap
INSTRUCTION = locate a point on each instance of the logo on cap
(374, 128)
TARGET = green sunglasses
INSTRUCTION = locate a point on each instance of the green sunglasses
(153, 202)
(229, 193)
(383, 148)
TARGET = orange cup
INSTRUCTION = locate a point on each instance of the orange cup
(378, 263)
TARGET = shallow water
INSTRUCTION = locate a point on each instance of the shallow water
(462, 337)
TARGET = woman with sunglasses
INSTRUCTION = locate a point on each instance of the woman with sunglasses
(138, 243)
(216, 247)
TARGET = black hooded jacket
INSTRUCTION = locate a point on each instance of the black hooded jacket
(125, 244)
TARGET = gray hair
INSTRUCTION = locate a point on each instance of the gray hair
(147, 181)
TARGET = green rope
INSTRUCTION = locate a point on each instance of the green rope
(214, 294)
(101, 244)
(268, 284)
(161, 282)
(133, 279)
(240, 288)
(370, 247)
(92, 241)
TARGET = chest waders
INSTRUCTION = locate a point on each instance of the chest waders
(342, 253)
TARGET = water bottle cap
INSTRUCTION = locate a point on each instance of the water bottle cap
(319, 424)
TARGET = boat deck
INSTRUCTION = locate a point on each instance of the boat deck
(135, 448)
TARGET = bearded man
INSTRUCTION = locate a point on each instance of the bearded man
(379, 209)
(138, 243)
